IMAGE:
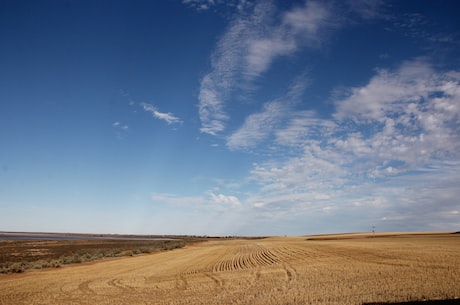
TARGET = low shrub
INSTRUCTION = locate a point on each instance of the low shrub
(17, 267)
(61, 253)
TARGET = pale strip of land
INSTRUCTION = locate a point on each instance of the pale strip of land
(277, 270)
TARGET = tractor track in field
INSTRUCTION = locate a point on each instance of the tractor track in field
(120, 285)
(291, 273)
(181, 282)
(84, 288)
(218, 281)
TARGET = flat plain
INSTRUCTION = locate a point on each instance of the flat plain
(340, 269)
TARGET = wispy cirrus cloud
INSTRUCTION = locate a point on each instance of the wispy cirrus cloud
(258, 127)
(301, 126)
(298, 27)
(255, 38)
(165, 116)
(227, 64)
(420, 27)
(367, 9)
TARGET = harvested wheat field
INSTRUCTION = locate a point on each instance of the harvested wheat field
(276, 270)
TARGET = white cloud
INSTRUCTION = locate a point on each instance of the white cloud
(224, 199)
(260, 126)
(258, 204)
(227, 64)
(167, 117)
(307, 21)
(301, 126)
(262, 52)
(257, 127)
(121, 126)
(316, 169)
(299, 26)
(211, 110)
(255, 38)
(411, 115)
(389, 92)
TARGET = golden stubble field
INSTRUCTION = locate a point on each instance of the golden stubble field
(276, 270)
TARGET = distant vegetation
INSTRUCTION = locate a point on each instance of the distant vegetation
(17, 256)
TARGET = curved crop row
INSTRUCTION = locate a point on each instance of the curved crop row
(249, 256)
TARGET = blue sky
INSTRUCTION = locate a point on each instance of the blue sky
(229, 117)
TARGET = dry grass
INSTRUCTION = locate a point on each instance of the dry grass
(284, 270)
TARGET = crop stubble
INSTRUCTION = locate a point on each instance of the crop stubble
(283, 270)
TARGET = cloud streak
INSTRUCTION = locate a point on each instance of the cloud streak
(120, 126)
(225, 199)
(257, 127)
(209, 200)
(165, 116)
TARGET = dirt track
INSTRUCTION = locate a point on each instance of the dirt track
(267, 271)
